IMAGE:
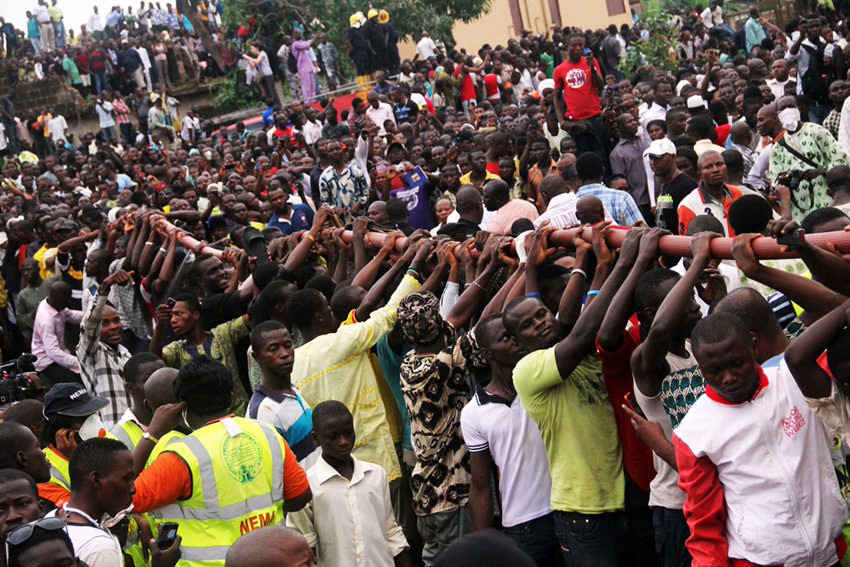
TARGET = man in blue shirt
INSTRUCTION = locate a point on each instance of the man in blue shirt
(288, 217)
(619, 204)
(268, 114)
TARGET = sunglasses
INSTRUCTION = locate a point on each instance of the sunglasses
(23, 533)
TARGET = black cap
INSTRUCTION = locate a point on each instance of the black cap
(71, 399)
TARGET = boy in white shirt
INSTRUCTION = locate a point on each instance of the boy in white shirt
(349, 522)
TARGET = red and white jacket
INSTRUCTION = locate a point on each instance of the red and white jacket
(760, 484)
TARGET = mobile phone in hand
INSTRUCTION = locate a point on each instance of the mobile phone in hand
(631, 402)
(170, 303)
(167, 535)
(794, 239)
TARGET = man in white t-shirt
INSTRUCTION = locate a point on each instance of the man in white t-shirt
(426, 47)
(101, 474)
(498, 430)
(57, 126)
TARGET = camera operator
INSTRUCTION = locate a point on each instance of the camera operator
(802, 154)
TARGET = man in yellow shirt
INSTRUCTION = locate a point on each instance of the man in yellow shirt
(333, 363)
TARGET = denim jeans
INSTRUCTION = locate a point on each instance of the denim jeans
(537, 539)
(592, 540)
(671, 532)
(100, 83)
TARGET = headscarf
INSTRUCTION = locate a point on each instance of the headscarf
(419, 315)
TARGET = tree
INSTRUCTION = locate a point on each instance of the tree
(189, 11)
(659, 49)
(409, 17)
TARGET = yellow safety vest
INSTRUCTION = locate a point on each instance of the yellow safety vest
(58, 469)
(164, 442)
(237, 487)
(128, 432)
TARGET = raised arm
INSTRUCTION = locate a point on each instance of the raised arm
(649, 361)
(581, 340)
(802, 356)
(610, 335)
(302, 251)
(815, 298)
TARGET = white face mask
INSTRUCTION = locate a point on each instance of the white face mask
(92, 428)
(790, 118)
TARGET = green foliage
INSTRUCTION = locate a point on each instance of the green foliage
(234, 94)
(659, 49)
(274, 17)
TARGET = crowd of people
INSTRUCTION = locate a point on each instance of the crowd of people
(361, 336)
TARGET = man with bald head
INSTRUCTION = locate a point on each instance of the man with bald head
(21, 451)
(281, 547)
(470, 209)
(560, 199)
(159, 391)
(55, 364)
(497, 199)
(590, 210)
(377, 212)
(713, 196)
(137, 370)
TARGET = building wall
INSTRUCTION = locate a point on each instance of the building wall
(497, 25)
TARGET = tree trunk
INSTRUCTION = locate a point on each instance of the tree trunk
(184, 7)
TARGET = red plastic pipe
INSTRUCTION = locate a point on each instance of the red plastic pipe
(765, 248)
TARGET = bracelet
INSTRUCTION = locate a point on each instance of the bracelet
(150, 438)
(414, 273)
(479, 285)
(592, 292)
(163, 249)
(149, 244)
(578, 271)
(310, 236)
(533, 294)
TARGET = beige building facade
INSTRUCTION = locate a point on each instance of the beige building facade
(508, 18)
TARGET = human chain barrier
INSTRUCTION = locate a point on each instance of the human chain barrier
(765, 247)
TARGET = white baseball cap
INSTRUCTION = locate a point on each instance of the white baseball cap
(660, 148)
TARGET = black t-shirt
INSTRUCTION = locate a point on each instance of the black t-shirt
(667, 202)
(219, 308)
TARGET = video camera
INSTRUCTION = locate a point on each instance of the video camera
(15, 385)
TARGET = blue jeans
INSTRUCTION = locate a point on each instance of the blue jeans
(59, 28)
(100, 83)
(537, 539)
(671, 532)
(592, 540)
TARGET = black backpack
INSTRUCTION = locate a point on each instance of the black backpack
(291, 63)
(818, 77)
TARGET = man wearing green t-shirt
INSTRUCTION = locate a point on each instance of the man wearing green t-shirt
(561, 387)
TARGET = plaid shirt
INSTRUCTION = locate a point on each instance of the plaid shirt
(619, 204)
(102, 367)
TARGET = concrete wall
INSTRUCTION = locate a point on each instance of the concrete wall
(497, 25)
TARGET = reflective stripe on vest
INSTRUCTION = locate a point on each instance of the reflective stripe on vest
(235, 489)
(128, 432)
(58, 470)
